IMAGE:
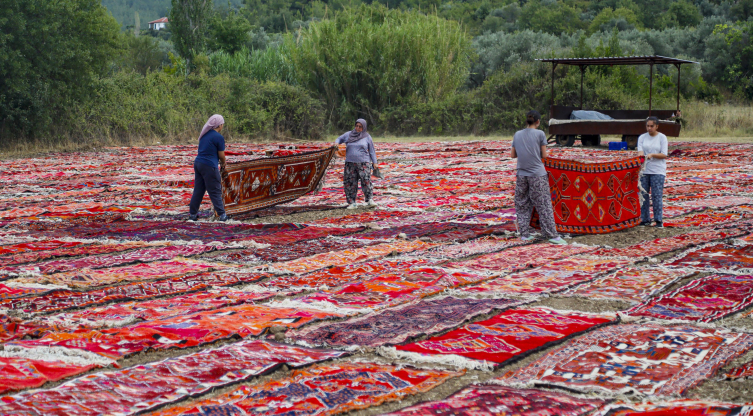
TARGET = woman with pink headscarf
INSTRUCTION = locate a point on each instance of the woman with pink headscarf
(205, 166)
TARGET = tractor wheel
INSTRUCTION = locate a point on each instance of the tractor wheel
(590, 140)
(565, 140)
(632, 141)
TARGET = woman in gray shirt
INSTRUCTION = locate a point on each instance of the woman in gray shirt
(653, 145)
(532, 183)
(360, 160)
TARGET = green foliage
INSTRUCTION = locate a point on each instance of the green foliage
(741, 11)
(144, 53)
(50, 54)
(369, 58)
(682, 13)
(189, 24)
(551, 16)
(622, 18)
(229, 34)
(271, 64)
(734, 57)
(148, 10)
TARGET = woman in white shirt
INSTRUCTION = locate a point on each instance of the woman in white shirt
(653, 145)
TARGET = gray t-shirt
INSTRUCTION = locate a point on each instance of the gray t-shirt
(656, 144)
(527, 144)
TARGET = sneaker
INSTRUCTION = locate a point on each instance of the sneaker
(222, 218)
(527, 238)
(645, 223)
(557, 240)
(352, 206)
(193, 217)
(372, 203)
(659, 224)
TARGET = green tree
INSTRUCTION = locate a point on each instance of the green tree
(50, 53)
(230, 34)
(741, 11)
(189, 24)
(683, 13)
(143, 54)
(607, 17)
(553, 17)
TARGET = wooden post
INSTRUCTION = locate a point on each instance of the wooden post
(678, 88)
(650, 88)
(551, 102)
(582, 71)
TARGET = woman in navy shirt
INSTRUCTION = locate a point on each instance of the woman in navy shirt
(206, 173)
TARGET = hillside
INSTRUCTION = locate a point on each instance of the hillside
(123, 10)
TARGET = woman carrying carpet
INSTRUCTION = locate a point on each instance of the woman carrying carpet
(532, 185)
(360, 161)
(206, 174)
(653, 145)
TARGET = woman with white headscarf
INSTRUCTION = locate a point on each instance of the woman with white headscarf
(360, 161)
(206, 173)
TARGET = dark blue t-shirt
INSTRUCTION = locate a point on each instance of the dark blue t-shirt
(209, 145)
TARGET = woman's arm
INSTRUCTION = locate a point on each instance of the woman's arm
(513, 154)
(372, 152)
(342, 138)
(544, 152)
(221, 155)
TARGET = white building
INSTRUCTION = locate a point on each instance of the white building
(158, 24)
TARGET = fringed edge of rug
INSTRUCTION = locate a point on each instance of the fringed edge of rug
(67, 355)
(494, 295)
(588, 390)
(319, 306)
(451, 360)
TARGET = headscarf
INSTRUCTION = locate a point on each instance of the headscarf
(356, 136)
(213, 122)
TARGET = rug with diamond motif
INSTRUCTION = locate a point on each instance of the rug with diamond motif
(594, 198)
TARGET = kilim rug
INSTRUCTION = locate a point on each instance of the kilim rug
(340, 275)
(553, 277)
(144, 255)
(87, 278)
(76, 250)
(513, 333)
(65, 299)
(519, 258)
(16, 328)
(320, 261)
(321, 390)
(704, 219)
(743, 371)
(703, 300)
(262, 183)
(182, 331)
(632, 284)
(120, 314)
(721, 258)
(682, 407)
(393, 326)
(287, 252)
(36, 246)
(145, 387)
(17, 373)
(594, 198)
(648, 249)
(648, 359)
(489, 400)
(483, 245)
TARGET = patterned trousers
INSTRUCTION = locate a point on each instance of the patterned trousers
(655, 185)
(353, 172)
(530, 192)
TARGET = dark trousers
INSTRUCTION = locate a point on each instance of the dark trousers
(206, 179)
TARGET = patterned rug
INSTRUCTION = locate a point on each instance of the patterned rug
(66, 299)
(594, 198)
(321, 390)
(393, 326)
(33, 246)
(144, 255)
(262, 183)
(704, 219)
(489, 400)
(304, 234)
(648, 249)
(513, 333)
(704, 300)
(743, 371)
(662, 360)
(145, 387)
(681, 407)
(720, 258)
(287, 252)
(550, 278)
(88, 278)
(519, 258)
(475, 247)
(18, 373)
(320, 261)
(76, 249)
(120, 314)
(632, 284)
(182, 331)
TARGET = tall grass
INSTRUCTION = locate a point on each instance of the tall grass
(725, 120)
(270, 64)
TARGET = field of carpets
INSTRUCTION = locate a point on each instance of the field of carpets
(111, 302)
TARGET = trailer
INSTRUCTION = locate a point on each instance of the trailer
(626, 123)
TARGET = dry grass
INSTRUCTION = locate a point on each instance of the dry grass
(727, 121)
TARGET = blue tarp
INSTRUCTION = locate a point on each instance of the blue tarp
(588, 115)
